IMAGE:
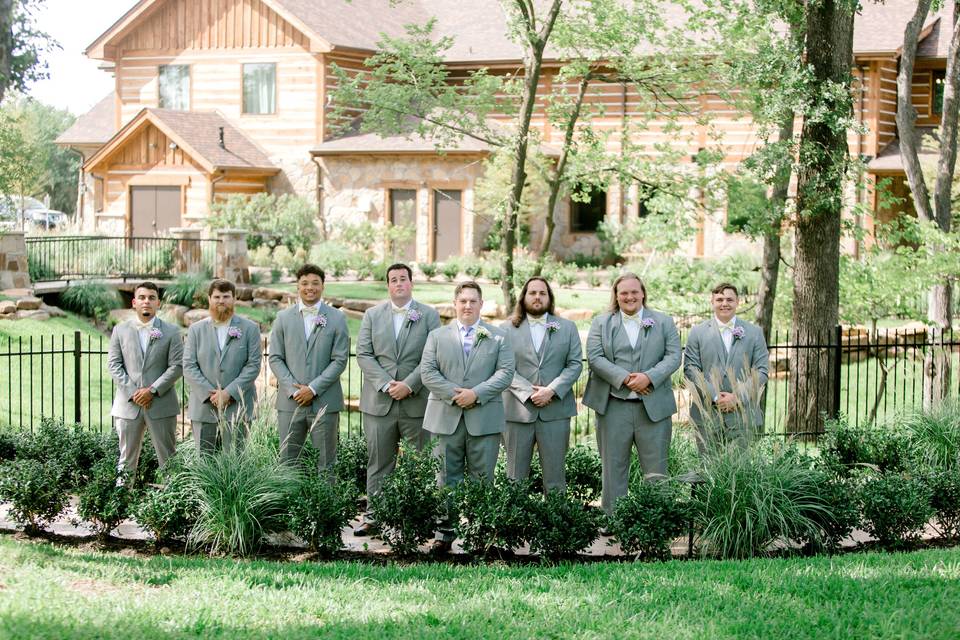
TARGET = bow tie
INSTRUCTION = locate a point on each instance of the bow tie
(400, 311)
(142, 326)
(542, 320)
(309, 311)
(725, 326)
(631, 318)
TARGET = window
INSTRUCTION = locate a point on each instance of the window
(585, 217)
(260, 88)
(175, 87)
(939, 77)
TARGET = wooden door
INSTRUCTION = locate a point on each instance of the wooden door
(447, 213)
(403, 213)
(154, 210)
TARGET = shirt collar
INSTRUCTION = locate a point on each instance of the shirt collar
(461, 327)
(145, 325)
(732, 323)
(406, 306)
(623, 316)
(301, 306)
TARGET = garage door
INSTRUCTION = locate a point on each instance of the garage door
(155, 210)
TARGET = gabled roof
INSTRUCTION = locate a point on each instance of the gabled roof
(198, 134)
(879, 27)
(96, 126)
(889, 160)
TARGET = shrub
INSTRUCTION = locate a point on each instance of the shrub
(351, 466)
(944, 487)
(649, 518)
(75, 450)
(584, 473)
(493, 269)
(428, 269)
(9, 443)
(409, 502)
(845, 447)
(269, 219)
(92, 299)
(34, 490)
(683, 457)
(492, 514)
(473, 268)
(562, 525)
(106, 500)
(334, 257)
(895, 509)
(841, 517)
(750, 499)
(319, 509)
(934, 437)
(169, 511)
(450, 269)
(565, 276)
(189, 290)
(593, 276)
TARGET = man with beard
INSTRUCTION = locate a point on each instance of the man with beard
(539, 402)
(221, 362)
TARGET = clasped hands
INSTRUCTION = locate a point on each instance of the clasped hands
(727, 402)
(638, 383)
(398, 390)
(220, 399)
(143, 397)
(542, 396)
(464, 398)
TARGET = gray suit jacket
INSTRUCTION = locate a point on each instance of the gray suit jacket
(159, 368)
(383, 357)
(317, 362)
(658, 357)
(488, 372)
(704, 353)
(558, 366)
(235, 369)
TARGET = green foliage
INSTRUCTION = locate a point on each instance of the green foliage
(746, 202)
(562, 525)
(473, 267)
(845, 448)
(841, 516)
(74, 450)
(409, 503)
(189, 290)
(650, 517)
(106, 500)
(493, 189)
(9, 444)
(319, 509)
(35, 491)
(351, 466)
(878, 285)
(92, 299)
(944, 489)
(269, 219)
(428, 269)
(682, 457)
(584, 473)
(450, 269)
(750, 499)
(492, 515)
(896, 507)
(170, 510)
(934, 436)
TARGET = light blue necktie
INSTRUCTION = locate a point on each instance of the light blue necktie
(467, 340)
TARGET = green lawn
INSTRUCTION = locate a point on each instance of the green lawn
(53, 592)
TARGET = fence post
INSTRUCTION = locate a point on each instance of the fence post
(188, 256)
(837, 359)
(14, 269)
(232, 261)
(76, 378)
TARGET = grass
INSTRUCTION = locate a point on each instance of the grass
(57, 592)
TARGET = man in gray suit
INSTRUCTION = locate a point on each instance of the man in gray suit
(392, 398)
(309, 347)
(722, 347)
(466, 365)
(540, 401)
(632, 351)
(145, 360)
(221, 362)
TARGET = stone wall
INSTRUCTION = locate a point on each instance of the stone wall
(14, 270)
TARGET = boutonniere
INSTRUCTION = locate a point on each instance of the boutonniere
(647, 323)
(155, 334)
(482, 334)
(553, 326)
(320, 321)
(738, 333)
(234, 332)
(413, 315)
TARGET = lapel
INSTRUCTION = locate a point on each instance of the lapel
(157, 324)
(714, 336)
(642, 335)
(324, 310)
(134, 335)
(453, 337)
(613, 330)
(226, 345)
(734, 343)
(477, 344)
(294, 321)
(546, 340)
(404, 328)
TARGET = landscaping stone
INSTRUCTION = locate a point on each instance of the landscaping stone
(575, 314)
(55, 312)
(334, 301)
(29, 303)
(352, 313)
(243, 303)
(120, 315)
(7, 307)
(263, 303)
(359, 305)
(446, 310)
(244, 292)
(17, 293)
(173, 313)
(33, 314)
(491, 309)
(8, 316)
(266, 293)
(194, 315)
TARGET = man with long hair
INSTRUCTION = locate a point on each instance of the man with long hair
(540, 400)
(632, 351)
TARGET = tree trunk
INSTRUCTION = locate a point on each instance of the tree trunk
(820, 177)
(6, 44)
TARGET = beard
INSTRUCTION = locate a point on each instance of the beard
(221, 315)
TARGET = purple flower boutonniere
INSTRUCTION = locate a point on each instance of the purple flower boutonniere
(320, 321)
(648, 322)
(738, 333)
(234, 332)
(413, 315)
(155, 334)
(482, 334)
(553, 326)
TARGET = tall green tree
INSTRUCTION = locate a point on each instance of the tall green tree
(22, 45)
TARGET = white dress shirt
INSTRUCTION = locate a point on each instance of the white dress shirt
(726, 331)
(632, 327)
(222, 328)
(538, 330)
(309, 320)
(398, 317)
(462, 329)
(143, 332)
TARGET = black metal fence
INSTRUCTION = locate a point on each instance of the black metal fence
(872, 377)
(79, 257)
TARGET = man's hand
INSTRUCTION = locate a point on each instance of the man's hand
(639, 383)
(727, 402)
(143, 397)
(398, 390)
(541, 396)
(220, 399)
(464, 398)
(304, 395)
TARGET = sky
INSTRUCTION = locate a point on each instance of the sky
(75, 82)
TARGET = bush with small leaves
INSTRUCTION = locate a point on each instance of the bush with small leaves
(428, 269)
(35, 492)
(584, 473)
(450, 269)
(351, 466)
(92, 299)
(410, 502)
(75, 450)
(565, 276)
(473, 267)
(944, 487)
(9, 443)
(188, 290)
(846, 448)
(319, 509)
(107, 498)
(169, 510)
(493, 269)
(839, 517)
(896, 507)
(650, 517)
(562, 525)
(492, 515)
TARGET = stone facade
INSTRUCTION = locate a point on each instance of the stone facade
(232, 261)
(14, 270)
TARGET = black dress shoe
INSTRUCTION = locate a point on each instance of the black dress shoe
(366, 529)
(441, 547)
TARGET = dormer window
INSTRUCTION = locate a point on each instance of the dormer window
(175, 87)
(260, 88)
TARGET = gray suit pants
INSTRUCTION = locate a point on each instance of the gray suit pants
(624, 426)
(383, 434)
(294, 426)
(205, 435)
(163, 433)
(552, 438)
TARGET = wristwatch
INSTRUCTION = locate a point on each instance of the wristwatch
(153, 392)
